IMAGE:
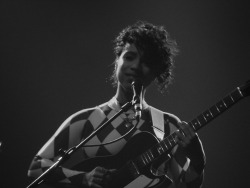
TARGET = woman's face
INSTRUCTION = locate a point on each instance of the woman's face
(131, 67)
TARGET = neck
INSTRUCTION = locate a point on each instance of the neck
(124, 95)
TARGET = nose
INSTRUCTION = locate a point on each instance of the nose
(137, 68)
(138, 65)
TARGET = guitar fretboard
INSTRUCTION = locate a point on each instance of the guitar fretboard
(169, 142)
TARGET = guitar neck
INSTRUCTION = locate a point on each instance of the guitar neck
(208, 115)
(216, 110)
(200, 121)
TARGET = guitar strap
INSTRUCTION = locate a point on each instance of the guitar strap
(158, 122)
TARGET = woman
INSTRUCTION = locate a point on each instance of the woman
(144, 54)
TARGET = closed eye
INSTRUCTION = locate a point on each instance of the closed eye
(130, 56)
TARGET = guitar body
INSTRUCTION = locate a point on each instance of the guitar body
(126, 174)
(134, 162)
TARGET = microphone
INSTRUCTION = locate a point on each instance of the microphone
(1, 146)
(137, 89)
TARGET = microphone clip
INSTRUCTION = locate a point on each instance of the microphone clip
(136, 101)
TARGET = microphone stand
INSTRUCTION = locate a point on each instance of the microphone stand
(70, 151)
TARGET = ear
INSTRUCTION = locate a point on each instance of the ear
(116, 61)
(115, 64)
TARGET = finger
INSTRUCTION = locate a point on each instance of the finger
(95, 185)
(111, 170)
(183, 144)
(181, 139)
(98, 180)
(190, 129)
(109, 174)
(182, 129)
(99, 172)
(187, 130)
(179, 135)
(102, 169)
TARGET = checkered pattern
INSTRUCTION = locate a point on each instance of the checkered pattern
(81, 124)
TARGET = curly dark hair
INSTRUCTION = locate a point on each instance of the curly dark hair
(158, 49)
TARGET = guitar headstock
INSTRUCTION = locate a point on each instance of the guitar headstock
(245, 89)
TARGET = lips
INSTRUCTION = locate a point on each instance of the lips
(134, 77)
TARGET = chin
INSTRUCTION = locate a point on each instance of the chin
(126, 86)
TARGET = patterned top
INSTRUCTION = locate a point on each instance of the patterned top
(185, 167)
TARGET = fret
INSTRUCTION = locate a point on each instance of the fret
(160, 150)
(145, 159)
(150, 152)
(164, 146)
(174, 138)
(208, 115)
(154, 151)
(202, 119)
(171, 140)
(232, 98)
(224, 103)
(167, 143)
(228, 100)
(215, 111)
(238, 89)
(221, 106)
(149, 158)
(236, 95)
(191, 125)
(196, 124)
(142, 161)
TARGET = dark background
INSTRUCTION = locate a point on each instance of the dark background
(56, 59)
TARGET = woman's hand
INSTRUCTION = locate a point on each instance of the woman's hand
(96, 178)
(185, 134)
